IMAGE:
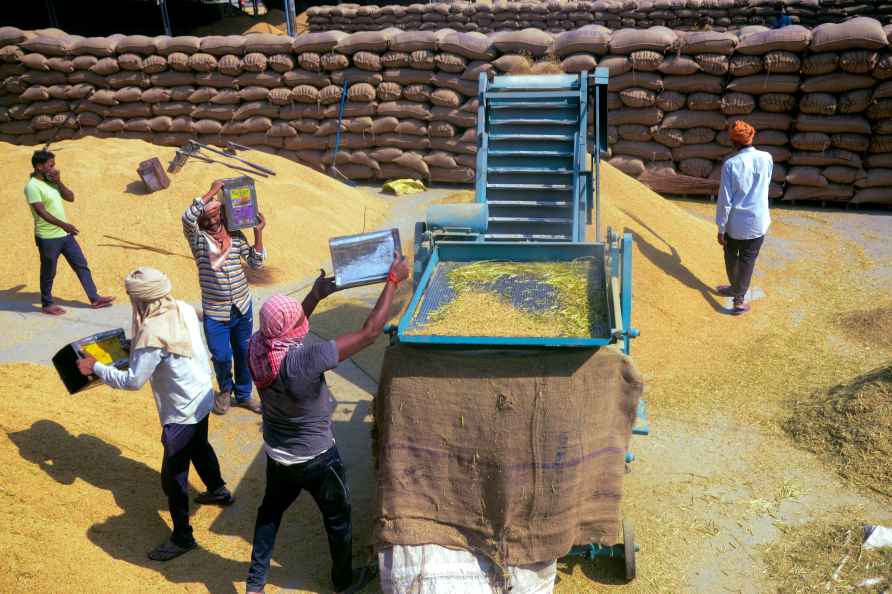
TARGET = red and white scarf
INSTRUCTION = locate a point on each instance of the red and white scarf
(282, 324)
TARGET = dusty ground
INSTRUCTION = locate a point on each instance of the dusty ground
(716, 489)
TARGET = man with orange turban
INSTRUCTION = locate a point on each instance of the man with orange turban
(742, 212)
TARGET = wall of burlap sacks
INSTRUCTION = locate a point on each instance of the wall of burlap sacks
(820, 99)
(563, 15)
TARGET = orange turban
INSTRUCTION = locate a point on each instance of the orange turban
(741, 132)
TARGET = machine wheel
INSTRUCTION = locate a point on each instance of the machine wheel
(629, 549)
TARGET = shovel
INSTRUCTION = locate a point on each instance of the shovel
(333, 169)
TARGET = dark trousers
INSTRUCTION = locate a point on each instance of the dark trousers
(184, 444)
(50, 250)
(740, 261)
(326, 481)
(228, 341)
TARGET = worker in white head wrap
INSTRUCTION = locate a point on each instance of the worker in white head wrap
(167, 350)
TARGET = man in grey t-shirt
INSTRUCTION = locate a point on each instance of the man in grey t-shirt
(297, 437)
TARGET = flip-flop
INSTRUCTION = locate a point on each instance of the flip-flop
(102, 302)
(53, 310)
(169, 550)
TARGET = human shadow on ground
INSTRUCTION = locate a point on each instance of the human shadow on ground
(16, 300)
(126, 244)
(137, 491)
(670, 263)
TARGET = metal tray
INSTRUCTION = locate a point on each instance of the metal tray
(363, 259)
(434, 291)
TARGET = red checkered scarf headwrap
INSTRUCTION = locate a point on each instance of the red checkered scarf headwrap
(282, 324)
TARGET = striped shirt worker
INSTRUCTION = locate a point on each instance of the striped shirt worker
(228, 286)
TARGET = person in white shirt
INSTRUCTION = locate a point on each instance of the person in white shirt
(167, 350)
(742, 212)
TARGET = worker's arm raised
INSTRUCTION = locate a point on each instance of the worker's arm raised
(255, 254)
(322, 288)
(195, 210)
(350, 344)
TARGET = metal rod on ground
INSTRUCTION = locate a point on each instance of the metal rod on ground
(165, 16)
(245, 161)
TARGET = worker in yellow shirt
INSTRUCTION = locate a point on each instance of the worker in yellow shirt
(53, 233)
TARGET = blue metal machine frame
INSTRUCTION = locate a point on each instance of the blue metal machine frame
(536, 192)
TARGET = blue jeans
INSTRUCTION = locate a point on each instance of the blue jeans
(50, 250)
(228, 341)
(326, 481)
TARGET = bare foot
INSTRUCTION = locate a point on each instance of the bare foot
(102, 302)
(53, 310)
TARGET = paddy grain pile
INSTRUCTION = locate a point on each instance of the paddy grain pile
(122, 227)
(849, 426)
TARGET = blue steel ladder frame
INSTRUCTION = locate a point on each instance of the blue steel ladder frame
(533, 169)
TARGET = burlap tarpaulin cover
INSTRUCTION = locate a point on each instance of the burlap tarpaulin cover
(514, 455)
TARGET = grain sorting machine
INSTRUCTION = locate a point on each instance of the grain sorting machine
(537, 192)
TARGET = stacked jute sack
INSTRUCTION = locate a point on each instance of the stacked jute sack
(820, 99)
(562, 15)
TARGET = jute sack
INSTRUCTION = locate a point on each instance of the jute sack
(831, 192)
(741, 66)
(626, 41)
(777, 102)
(858, 61)
(636, 132)
(761, 84)
(836, 83)
(840, 174)
(704, 102)
(698, 136)
(645, 80)
(679, 66)
(872, 196)
(495, 479)
(637, 97)
(806, 176)
(860, 32)
(715, 64)
(737, 104)
(762, 120)
(590, 39)
(694, 119)
(670, 137)
(632, 166)
(771, 138)
(816, 64)
(857, 143)
(832, 124)
(696, 83)
(792, 38)
(781, 62)
(696, 167)
(709, 150)
(832, 156)
(647, 116)
(818, 104)
(668, 101)
(708, 42)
